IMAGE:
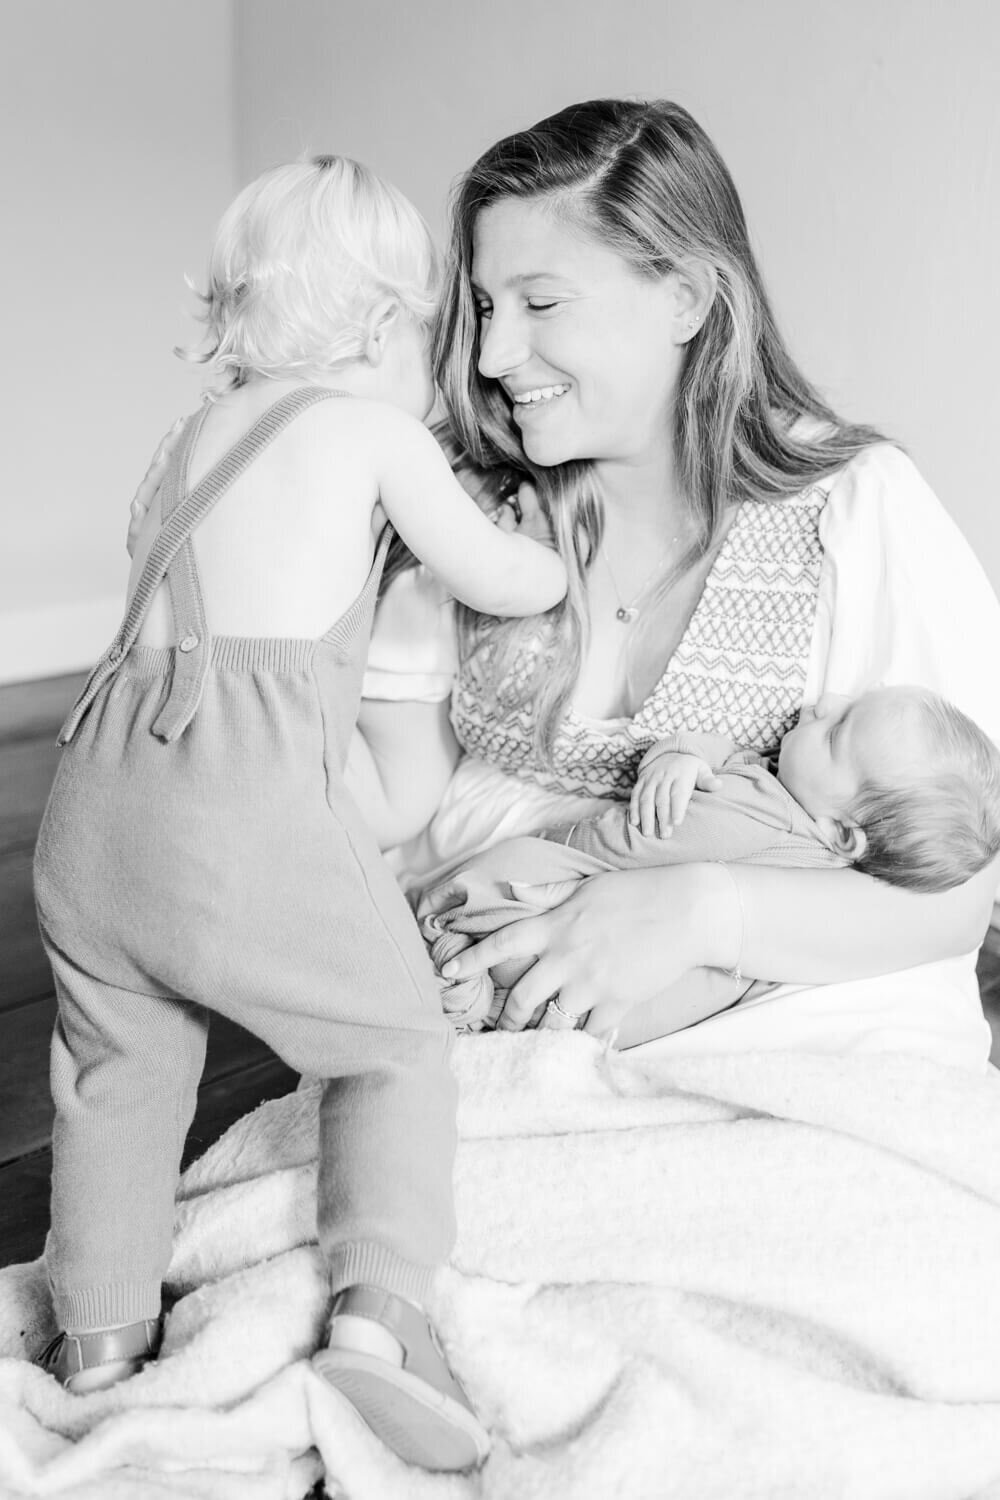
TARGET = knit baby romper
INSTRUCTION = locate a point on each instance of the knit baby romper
(200, 852)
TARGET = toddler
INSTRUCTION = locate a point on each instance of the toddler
(200, 851)
(897, 782)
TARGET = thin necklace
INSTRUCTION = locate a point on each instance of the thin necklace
(626, 613)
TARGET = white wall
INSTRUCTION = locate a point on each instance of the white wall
(117, 123)
(864, 136)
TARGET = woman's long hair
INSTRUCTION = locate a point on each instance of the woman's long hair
(645, 180)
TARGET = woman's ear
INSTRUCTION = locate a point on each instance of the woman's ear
(846, 839)
(695, 291)
(377, 326)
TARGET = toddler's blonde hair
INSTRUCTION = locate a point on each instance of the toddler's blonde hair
(301, 259)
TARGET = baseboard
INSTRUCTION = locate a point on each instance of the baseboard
(55, 640)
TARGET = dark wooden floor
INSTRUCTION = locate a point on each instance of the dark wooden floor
(240, 1071)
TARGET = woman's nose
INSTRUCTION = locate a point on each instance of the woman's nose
(502, 347)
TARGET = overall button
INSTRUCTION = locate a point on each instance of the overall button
(188, 643)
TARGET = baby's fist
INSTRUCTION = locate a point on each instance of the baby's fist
(663, 789)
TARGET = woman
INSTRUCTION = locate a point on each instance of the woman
(735, 550)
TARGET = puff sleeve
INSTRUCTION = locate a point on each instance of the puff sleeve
(902, 597)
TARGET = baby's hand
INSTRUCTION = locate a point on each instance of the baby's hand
(663, 789)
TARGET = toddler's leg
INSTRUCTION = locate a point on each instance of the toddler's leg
(386, 1223)
(349, 996)
(386, 1150)
(125, 1071)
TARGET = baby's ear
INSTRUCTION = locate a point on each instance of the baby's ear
(847, 839)
(377, 325)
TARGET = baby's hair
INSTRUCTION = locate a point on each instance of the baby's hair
(937, 830)
(300, 261)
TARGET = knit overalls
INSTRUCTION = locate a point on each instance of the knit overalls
(200, 852)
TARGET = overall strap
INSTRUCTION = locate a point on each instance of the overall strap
(191, 634)
(180, 517)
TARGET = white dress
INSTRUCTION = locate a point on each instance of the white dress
(862, 580)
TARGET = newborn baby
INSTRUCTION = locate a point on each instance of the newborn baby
(897, 782)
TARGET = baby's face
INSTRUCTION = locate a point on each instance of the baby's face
(839, 743)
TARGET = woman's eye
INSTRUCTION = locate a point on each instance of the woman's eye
(541, 306)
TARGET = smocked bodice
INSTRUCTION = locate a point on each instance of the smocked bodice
(739, 669)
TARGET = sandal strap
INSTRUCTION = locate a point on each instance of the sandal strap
(73, 1352)
(422, 1354)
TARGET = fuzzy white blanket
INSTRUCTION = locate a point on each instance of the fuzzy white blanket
(748, 1277)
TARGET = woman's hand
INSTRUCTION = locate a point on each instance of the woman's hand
(153, 478)
(620, 940)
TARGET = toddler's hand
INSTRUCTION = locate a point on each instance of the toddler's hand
(522, 512)
(663, 789)
(153, 478)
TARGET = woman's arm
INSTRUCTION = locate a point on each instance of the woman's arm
(700, 994)
(400, 760)
(828, 925)
(150, 483)
(627, 936)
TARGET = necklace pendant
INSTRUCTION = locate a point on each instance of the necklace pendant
(626, 614)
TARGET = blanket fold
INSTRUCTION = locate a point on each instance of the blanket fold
(746, 1277)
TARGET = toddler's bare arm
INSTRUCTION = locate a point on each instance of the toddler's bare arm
(489, 568)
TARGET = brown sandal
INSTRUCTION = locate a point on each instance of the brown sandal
(85, 1362)
(418, 1409)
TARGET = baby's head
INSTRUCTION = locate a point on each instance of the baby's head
(901, 783)
(317, 267)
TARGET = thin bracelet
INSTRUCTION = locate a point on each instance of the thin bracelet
(736, 972)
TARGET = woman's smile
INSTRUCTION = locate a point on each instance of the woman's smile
(532, 403)
(538, 395)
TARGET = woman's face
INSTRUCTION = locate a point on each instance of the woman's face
(587, 351)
